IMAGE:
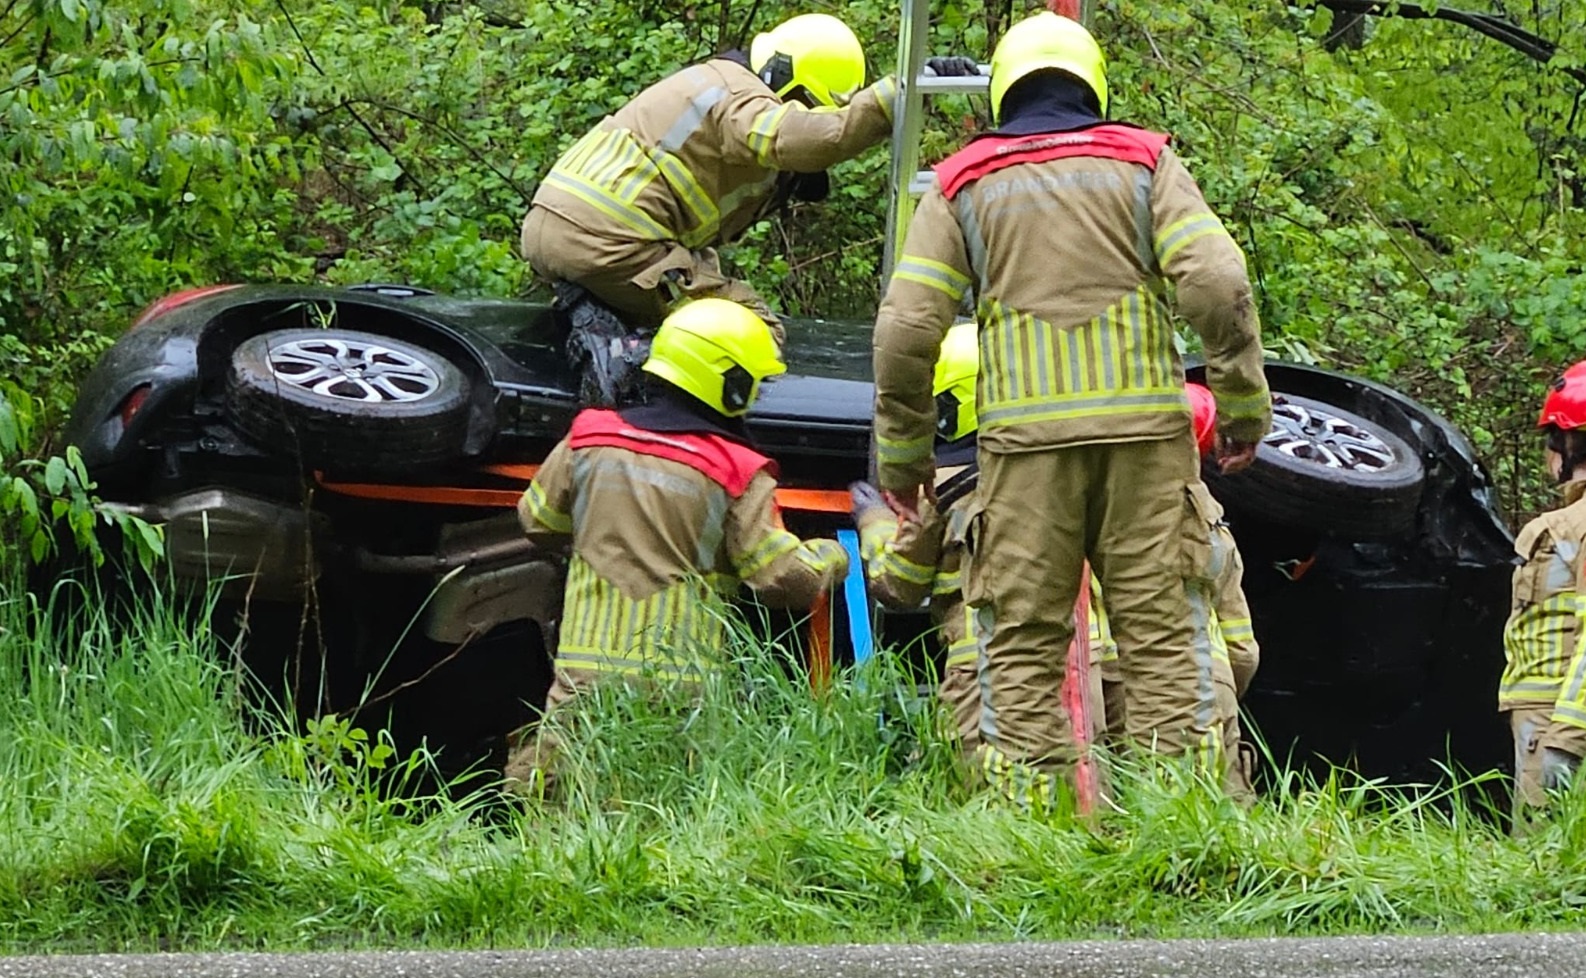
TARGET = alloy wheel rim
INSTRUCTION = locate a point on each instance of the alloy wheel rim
(350, 370)
(1326, 440)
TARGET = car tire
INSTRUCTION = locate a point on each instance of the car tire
(311, 393)
(1325, 469)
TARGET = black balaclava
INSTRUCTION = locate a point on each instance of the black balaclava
(669, 408)
(1048, 101)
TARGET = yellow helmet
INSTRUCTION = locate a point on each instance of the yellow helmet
(816, 52)
(954, 386)
(1042, 42)
(716, 350)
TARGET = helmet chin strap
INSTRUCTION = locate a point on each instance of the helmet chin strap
(778, 72)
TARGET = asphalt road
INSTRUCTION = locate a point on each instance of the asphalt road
(1504, 956)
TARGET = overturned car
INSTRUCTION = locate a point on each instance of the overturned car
(345, 463)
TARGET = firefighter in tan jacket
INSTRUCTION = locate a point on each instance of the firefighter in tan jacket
(633, 211)
(669, 508)
(1543, 689)
(1066, 229)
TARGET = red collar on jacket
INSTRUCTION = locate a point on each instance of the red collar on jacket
(725, 462)
(990, 153)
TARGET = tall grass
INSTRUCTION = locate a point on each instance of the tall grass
(146, 806)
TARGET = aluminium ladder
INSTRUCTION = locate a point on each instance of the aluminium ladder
(907, 181)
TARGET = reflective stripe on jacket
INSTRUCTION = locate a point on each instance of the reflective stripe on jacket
(1068, 259)
(694, 157)
(1543, 639)
(659, 546)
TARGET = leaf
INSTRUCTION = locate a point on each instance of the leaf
(55, 475)
(9, 430)
(153, 538)
(74, 458)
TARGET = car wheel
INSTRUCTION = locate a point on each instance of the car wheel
(348, 401)
(1325, 469)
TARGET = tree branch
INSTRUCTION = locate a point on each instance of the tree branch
(1531, 45)
(449, 133)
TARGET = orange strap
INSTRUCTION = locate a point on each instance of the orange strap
(820, 642)
(800, 500)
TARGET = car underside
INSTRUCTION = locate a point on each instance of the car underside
(345, 464)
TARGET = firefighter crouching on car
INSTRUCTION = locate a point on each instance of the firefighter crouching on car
(908, 562)
(669, 508)
(1544, 684)
(634, 210)
(1225, 640)
(1066, 228)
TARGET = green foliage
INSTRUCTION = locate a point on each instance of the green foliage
(142, 154)
(39, 494)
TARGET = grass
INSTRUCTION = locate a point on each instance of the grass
(146, 806)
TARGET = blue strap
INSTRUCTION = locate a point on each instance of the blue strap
(857, 598)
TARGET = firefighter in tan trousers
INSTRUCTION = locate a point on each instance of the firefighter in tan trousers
(669, 508)
(1225, 638)
(635, 209)
(1066, 228)
(909, 562)
(1543, 689)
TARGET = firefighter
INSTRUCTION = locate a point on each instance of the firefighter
(1066, 228)
(1225, 639)
(669, 507)
(1543, 689)
(910, 562)
(634, 210)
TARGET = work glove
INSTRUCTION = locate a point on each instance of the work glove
(812, 187)
(827, 556)
(953, 66)
(867, 502)
(1558, 768)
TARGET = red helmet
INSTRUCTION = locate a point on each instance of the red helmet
(1566, 400)
(1203, 416)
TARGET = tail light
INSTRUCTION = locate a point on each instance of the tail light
(162, 306)
(132, 403)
